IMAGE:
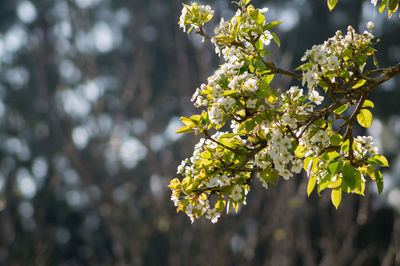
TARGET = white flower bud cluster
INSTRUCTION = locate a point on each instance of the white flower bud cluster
(199, 13)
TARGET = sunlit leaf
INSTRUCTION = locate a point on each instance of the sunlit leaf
(300, 151)
(368, 103)
(378, 160)
(336, 139)
(364, 118)
(359, 84)
(311, 184)
(335, 167)
(331, 4)
(336, 197)
(184, 129)
(272, 24)
(340, 109)
(276, 39)
(382, 5)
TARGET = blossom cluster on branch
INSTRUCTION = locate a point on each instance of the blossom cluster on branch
(250, 130)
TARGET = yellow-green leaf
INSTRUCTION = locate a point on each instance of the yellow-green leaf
(300, 151)
(382, 6)
(336, 197)
(340, 109)
(187, 121)
(393, 5)
(335, 184)
(271, 25)
(368, 103)
(359, 84)
(220, 204)
(184, 129)
(311, 184)
(260, 19)
(378, 160)
(276, 39)
(364, 118)
(174, 184)
(331, 4)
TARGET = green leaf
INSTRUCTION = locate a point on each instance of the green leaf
(187, 121)
(379, 180)
(324, 183)
(259, 45)
(359, 84)
(364, 118)
(378, 160)
(309, 164)
(304, 66)
(344, 74)
(349, 176)
(220, 204)
(345, 146)
(259, 64)
(360, 186)
(174, 184)
(336, 197)
(340, 109)
(184, 129)
(375, 61)
(260, 18)
(300, 151)
(311, 184)
(336, 139)
(266, 91)
(368, 103)
(361, 59)
(276, 39)
(335, 167)
(230, 93)
(268, 78)
(332, 155)
(393, 5)
(331, 4)
(195, 118)
(382, 5)
(347, 52)
(250, 124)
(185, 183)
(271, 25)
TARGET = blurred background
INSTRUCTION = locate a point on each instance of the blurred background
(90, 97)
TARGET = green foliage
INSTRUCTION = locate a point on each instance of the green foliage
(276, 133)
(390, 5)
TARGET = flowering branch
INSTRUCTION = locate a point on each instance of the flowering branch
(275, 133)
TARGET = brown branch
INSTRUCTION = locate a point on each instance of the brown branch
(276, 70)
(201, 32)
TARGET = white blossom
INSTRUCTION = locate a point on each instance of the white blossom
(370, 25)
(297, 166)
(237, 193)
(213, 215)
(315, 97)
(251, 103)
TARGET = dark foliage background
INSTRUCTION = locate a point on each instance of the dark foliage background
(90, 95)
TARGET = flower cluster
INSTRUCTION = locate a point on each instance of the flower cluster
(195, 15)
(334, 58)
(274, 133)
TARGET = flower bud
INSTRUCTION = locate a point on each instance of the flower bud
(370, 25)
